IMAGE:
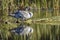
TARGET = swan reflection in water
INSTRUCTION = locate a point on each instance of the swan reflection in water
(23, 30)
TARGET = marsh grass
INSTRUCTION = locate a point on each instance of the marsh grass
(41, 31)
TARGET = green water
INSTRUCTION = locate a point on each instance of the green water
(41, 32)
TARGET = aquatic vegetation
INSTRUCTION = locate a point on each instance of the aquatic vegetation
(42, 31)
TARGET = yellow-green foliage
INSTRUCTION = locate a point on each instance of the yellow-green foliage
(41, 31)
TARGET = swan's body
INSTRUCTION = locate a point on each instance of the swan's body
(22, 15)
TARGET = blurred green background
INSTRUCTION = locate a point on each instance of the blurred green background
(50, 8)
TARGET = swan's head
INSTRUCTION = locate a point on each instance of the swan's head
(31, 30)
(31, 14)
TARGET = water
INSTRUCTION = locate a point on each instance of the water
(41, 32)
(46, 32)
